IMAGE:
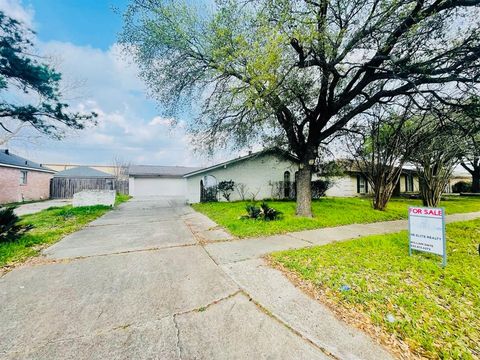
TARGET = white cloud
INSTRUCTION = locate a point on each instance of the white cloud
(106, 82)
(158, 120)
(16, 10)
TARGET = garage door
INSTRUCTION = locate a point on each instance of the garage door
(159, 187)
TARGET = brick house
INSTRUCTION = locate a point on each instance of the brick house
(22, 179)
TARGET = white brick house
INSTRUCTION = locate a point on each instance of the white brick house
(257, 173)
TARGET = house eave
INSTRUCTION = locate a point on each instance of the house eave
(242, 158)
(27, 168)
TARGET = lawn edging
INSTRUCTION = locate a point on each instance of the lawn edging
(328, 212)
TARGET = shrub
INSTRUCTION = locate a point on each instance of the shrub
(226, 188)
(268, 213)
(10, 229)
(461, 187)
(264, 212)
(320, 187)
(253, 212)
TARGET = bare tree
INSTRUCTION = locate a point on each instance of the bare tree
(241, 190)
(436, 156)
(120, 168)
(381, 145)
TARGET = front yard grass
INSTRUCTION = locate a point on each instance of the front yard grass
(49, 226)
(412, 301)
(327, 212)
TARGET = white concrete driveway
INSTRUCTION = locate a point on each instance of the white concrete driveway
(135, 284)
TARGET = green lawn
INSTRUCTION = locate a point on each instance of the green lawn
(49, 226)
(327, 212)
(435, 311)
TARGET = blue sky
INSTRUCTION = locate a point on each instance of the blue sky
(79, 38)
(93, 23)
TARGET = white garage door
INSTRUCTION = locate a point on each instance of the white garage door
(159, 187)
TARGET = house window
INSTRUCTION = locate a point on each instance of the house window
(23, 177)
(286, 184)
(362, 184)
(408, 183)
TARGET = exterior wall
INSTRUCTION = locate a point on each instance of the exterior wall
(343, 186)
(157, 186)
(403, 188)
(256, 173)
(36, 188)
(455, 180)
(346, 186)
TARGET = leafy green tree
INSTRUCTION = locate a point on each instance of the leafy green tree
(296, 72)
(22, 71)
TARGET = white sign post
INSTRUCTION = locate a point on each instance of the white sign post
(426, 227)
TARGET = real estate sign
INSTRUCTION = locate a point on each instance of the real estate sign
(427, 230)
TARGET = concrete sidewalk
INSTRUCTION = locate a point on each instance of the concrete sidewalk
(241, 260)
(34, 207)
(225, 252)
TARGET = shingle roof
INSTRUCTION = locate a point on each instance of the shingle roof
(162, 171)
(12, 160)
(83, 172)
(275, 150)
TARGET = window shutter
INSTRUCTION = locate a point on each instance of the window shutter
(358, 184)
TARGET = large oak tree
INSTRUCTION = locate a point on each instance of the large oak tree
(297, 72)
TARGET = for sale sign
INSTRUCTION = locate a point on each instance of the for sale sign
(427, 230)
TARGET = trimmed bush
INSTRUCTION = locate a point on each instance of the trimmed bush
(461, 187)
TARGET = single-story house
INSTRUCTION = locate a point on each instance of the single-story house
(256, 175)
(261, 175)
(149, 180)
(456, 178)
(354, 183)
(68, 182)
(22, 179)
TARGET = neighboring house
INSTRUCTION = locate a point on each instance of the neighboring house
(147, 180)
(456, 178)
(68, 182)
(353, 183)
(22, 179)
(109, 169)
(255, 176)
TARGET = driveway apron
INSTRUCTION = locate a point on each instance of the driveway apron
(135, 284)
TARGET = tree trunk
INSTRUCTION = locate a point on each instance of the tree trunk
(431, 192)
(476, 181)
(381, 196)
(304, 191)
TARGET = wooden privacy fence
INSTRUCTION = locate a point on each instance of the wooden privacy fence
(64, 188)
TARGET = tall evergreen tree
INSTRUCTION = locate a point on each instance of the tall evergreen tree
(23, 72)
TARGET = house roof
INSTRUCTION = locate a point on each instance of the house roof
(83, 172)
(276, 151)
(350, 166)
(7, 159)
(160, 171)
